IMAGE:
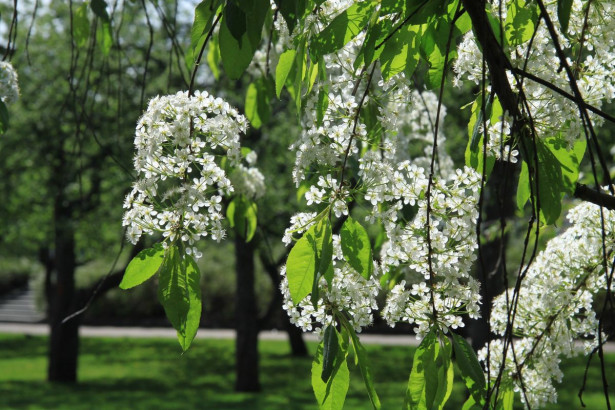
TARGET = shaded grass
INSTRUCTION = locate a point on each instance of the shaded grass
(152, 374)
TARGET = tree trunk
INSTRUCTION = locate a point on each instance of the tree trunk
(246, 342)
(64, 338)
(295, 337)
(498, 205)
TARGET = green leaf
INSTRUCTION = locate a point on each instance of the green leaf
(470, 404)
(256, 13)
(242, 215)
(104, 37)
(236, 54)
(343, 28)
(251, 106)
(520, 22)
(323, 245)
(312, 75)
(356, 247)
(362, 361)
(523, 187)
(322, 105)
(179, 293)
(551, 186)
(204, 15)
(300, 71)
(464, 23)
(4, 117)
(506, 399)
(558, 171)
(375, 36)
(470, 369)
(564, 8)
(401, 52)
(213, 57)
(285, 63)
(330, 349)
(370, 115)
(99, 7)
(288, 9)
(332, 393)
(474, 149)
(143, 266)
(570, 160)
(303, 187)
(301, 267)
(414, 11)
(431, 379)
(81, 25)
(433, 45)
(235, 19)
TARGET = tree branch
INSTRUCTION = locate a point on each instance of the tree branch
(497, 61)
(588, 194)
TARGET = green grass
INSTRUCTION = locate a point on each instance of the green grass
(151, 374)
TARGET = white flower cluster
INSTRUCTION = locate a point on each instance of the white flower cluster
(442, 282)
(180, 186)
(350, 294)
(325, 144)
(299, 223)
(248, 180)
(592, 57)
(408, 121)
(9, 86)
(554, 306)
(391, 176)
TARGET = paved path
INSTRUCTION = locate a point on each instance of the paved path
(164, 332)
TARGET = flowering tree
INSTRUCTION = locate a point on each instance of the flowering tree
(366, 80)
(360, 76)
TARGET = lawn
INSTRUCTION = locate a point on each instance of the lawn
(151, 374)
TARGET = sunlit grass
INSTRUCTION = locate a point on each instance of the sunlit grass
(152, 374)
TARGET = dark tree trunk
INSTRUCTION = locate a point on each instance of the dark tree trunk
(64, 337)
(246, 342)
(498, 206)
(295, 337)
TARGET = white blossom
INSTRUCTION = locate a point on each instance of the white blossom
(554, 306)
(349, 293)
(9, 85)
(180, 185)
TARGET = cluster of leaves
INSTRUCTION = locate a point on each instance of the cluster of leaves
(179, 291)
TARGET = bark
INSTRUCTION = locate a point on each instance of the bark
(246, 342)
(64, 337)
(498, 206)
(298, 347)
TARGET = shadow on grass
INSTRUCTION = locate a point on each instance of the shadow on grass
(152, 374)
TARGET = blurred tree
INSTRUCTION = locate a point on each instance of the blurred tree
(66, 161)
(66, 156)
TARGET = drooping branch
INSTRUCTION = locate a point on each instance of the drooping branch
(497, 62)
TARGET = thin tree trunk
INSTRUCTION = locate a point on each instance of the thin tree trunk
(295, 337)
(499, 205)
(246, 342)
(64, 338)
